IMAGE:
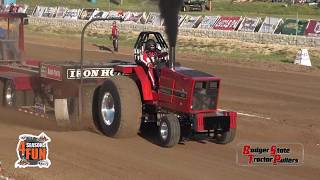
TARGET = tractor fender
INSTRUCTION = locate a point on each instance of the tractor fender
(21, 81)
(143, 81)
(146, 88)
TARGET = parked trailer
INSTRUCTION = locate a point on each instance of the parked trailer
(117, 99)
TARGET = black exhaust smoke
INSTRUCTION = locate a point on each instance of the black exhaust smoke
(169, 10)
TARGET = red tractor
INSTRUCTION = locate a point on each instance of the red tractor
(118, 97)
(184, 105)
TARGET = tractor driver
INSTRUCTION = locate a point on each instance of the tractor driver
(150, 56)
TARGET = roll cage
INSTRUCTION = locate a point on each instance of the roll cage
(139, 46)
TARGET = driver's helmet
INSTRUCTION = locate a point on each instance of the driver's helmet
(151, 45)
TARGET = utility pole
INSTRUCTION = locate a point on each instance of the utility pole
(297, 26)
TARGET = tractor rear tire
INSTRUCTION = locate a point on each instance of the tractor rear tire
(89, 108)
(119, 107)
(73, 109)
(169, 130)
(29, 98)
(225, 137)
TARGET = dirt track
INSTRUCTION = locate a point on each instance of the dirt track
(291, 100)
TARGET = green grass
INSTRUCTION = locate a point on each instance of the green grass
(217, 48)
(232, 50)
(220, 7)
(266, 9)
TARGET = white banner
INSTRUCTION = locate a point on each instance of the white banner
(50, 12)
(208, 22)
(22, 8)
(39, 11)
(61, 11)
(154, 19)
(134, 17)
(72, 14)
(116, 15)
(86, 13)
(99, 14)
(191, 21)
(249, 24)
(270, 25)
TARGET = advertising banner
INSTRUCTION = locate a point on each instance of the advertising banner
(291, 27)
(154, 19)
(86, 13)
(227, 23)
(313, 28)
(72, 14)
(181, 19)
(134, 17)
(39, 11)
(191, 21)
(270, 25)
(50, 12)
(22, 8)
(61, 11)
(116, 15)
(208, 22)
(249, 24)
(99, 14)
(30, 10)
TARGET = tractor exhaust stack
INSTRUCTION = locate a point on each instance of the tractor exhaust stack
(172, 58)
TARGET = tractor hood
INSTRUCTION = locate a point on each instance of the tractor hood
(178, 89)
(191, 73)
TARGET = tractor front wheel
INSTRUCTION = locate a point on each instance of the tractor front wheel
(169, 130)
(225, 137)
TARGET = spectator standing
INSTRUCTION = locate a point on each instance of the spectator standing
(115, 35)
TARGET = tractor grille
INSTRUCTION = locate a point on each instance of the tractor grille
(205, 95)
